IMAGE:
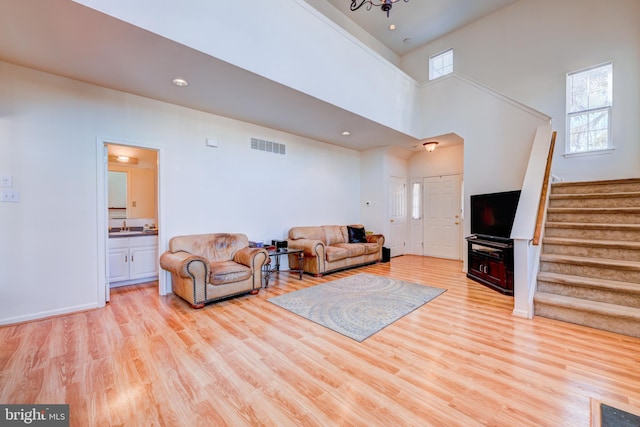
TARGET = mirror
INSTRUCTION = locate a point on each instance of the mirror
(117, 194)
(132, 193)
(132, 182)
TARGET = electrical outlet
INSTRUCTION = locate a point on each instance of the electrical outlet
(6, 181)
(9, 196)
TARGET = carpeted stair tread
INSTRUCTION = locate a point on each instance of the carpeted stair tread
(592, 262)
(601, 308)
(579, 196)
(626, 181)
(613, 244)
(621, 210)
(590, 282)
(594, 226)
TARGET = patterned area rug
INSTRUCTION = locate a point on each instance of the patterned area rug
(357, 306)
(613, 414)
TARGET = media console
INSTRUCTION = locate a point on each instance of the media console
(490, 262)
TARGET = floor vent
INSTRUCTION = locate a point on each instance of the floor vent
(269, 146)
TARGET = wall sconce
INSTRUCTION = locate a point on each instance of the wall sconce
(430, 146)
(124, 159)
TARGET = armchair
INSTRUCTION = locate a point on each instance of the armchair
(210, 267)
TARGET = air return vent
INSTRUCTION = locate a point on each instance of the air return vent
(269, 146)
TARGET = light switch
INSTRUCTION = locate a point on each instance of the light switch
(6, 181)
(9, 196)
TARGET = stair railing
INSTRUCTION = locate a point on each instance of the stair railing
(542, 205)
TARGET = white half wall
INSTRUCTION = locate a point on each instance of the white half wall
(330, 63)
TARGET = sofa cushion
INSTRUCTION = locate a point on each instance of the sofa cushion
(334, 234)
(353, 249)
(221, 272)
(357, 234)
(370, 248)
(313, 233)
(334, 253)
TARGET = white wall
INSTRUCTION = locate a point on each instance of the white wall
(377, 166)
(497, 132)
(525, 51)
(372, 202)
(48, 140)
(447, 160)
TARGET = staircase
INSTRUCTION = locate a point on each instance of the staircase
(590, 262)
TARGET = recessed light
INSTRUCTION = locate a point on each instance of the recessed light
(346, 133)
(392, 27)
(180, 82)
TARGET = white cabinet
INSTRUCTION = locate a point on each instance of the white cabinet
(133, 259)
(118, 260)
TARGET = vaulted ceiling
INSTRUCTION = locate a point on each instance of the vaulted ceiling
(417, 22)
(65, 38)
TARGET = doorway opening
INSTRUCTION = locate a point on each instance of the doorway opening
(128, 216)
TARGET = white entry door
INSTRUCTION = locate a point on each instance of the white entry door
(442, 223)
(397, 215)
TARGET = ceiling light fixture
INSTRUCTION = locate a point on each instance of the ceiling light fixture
(384, 5)
(124, 159)
(346, 133)
(430, 146)
(180, 82)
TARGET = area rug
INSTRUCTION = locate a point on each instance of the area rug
(357, 306)
(612, 414)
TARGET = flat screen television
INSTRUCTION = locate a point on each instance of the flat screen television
(492, 214)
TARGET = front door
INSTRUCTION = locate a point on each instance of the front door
(442, 223)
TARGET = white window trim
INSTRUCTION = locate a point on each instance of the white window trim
(569, 155)
(432, 57)
(595, 152)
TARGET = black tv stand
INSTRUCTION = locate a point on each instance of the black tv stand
(490, 262)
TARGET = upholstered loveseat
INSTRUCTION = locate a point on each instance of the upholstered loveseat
(209, 267)
(329, 248)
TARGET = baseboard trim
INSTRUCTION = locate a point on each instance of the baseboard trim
(46, 314)
(521, 313)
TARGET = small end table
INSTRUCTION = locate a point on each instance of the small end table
(273, 266)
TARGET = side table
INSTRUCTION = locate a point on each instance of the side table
(273, 265)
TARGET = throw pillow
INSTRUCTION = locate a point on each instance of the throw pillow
(357, 235)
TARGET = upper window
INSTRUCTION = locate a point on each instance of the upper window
(589, 96)
(441, 64)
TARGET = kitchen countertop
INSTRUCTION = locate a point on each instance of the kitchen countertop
(132, 233)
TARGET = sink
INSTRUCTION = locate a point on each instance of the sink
(137, 231)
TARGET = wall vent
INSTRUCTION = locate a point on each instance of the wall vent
(269, 146)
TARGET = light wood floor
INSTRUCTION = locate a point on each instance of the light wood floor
(460, 360)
